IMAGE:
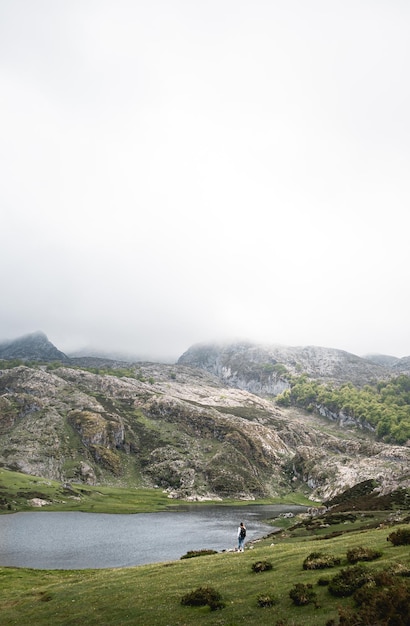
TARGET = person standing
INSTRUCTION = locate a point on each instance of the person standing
(241, 536)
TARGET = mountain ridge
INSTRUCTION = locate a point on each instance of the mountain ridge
(36, 346)
(258, 367)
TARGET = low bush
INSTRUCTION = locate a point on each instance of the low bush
(261, 566)
(302, 594)
(362, 554)
(193, 553)
(203, 596)
(400, 537)
(319, 560)
(398, 569)
(349, 580)
(383, 603)
(266, 600)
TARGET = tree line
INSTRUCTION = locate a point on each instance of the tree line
(384, 405)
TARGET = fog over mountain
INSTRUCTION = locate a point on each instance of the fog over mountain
(221, 358)
(175, 172)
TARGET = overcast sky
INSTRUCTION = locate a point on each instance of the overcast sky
(175, 172)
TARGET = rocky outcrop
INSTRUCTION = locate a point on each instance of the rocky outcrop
(342, 418)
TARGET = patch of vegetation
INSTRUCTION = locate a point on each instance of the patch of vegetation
(8, 364)
(266, 600)
(302, 594)
(246, 412)
(118, 372)
(32, 494)
(359, 553)
(203, 596)
(262, 566)
(363, 497)
(319, 560)
(194, 553)
(386, 603)
(360, 490)
(281, 370)
(400, 537)
(322, 522)
(398, 569)
(349, 580)
(107, 458)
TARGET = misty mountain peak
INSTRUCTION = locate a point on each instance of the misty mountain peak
(32, 347)
(241, 364)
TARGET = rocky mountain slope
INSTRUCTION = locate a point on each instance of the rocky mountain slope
(181, 429)
(207, 426)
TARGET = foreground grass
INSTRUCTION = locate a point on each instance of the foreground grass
(151, 594)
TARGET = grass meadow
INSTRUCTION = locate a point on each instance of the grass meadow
(151, 594)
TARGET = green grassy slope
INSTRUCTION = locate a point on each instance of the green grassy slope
(16, 491)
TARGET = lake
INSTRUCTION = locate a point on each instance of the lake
(47, 540)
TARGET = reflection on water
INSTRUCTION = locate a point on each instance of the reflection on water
(47, 540)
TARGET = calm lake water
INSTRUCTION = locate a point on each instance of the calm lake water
(95, 540)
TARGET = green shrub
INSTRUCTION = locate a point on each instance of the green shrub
(203, 596)
(319, 560)
(400, 537)
(266, 600)
(302, 594)
(362, 554)
(398, 569)
(193, 553)
(383, 603)
(349, 580)
(323, 581)
(262, 566)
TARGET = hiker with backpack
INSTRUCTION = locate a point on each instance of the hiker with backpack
(241, 536)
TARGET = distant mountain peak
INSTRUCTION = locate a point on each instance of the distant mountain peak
(32, 347)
